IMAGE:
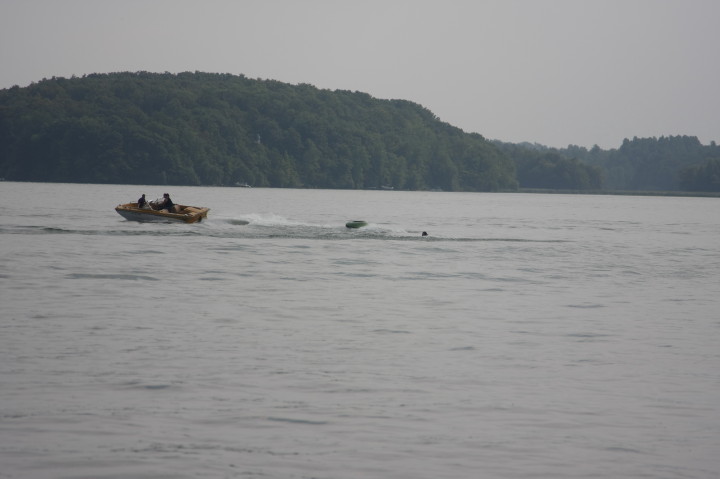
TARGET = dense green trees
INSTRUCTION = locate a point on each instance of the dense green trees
(653, 163)
(214, 129)
(668, 163)
(704, 177)
(219, 129)
(544, 168)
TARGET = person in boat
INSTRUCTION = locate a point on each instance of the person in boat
(142, 203)
(167, 203)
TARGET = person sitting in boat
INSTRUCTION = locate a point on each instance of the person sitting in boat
(142, 203)
(167, 203)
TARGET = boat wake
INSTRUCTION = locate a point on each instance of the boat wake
(274, 226)
(259, 226)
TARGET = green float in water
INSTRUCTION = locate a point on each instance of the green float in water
(356, 224)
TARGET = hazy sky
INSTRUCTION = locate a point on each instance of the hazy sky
(556, 72)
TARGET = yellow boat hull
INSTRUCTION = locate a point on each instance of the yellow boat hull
(183, 214)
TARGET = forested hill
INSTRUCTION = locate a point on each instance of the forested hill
(218, 129)
(667, 163)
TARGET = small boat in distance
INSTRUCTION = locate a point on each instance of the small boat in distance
(182, 213)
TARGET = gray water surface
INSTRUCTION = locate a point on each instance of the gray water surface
(548, 336)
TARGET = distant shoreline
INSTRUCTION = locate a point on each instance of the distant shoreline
(702, 194)
(699, 194)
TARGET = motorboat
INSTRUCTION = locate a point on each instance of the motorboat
(180, 213)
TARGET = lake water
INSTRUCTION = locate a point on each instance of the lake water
(527, 336)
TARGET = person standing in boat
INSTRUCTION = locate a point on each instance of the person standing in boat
(167, 203)
(142, 203)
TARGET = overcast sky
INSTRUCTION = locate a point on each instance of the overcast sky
(555, 72)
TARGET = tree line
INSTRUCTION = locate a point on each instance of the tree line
(667, 163)
(216, 129)
(221, 129)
